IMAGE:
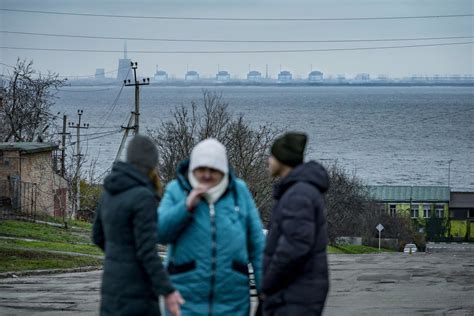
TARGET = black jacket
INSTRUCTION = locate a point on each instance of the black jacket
(125, 228)
(295, 262)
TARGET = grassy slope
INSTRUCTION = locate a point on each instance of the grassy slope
(20, 260)
(56, 246)
(42, 232)
(18, 255)
(353, 249)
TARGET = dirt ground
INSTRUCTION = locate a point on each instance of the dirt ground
(380, 284)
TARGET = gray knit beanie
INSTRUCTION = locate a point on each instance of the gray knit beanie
(142, 153)
(289, 148)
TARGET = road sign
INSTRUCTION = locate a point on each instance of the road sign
(380, 228)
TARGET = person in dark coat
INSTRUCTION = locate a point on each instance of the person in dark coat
(295, 277)
(125, 229)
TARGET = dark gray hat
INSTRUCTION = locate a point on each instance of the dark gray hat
(289, 148)
(142, 153)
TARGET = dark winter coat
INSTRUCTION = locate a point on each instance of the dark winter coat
(295, 268)
(125, 228)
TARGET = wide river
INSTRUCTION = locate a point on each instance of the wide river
(385, 135)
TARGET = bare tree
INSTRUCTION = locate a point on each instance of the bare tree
(351, 211)
(247, 147)
(28, 97)
(348, 204)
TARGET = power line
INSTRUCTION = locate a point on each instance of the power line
(90, 76)
(97, 137)
(80, 91)
(117, 129)
(109, 112)
(234, 41)
(9, 66)
(241, 19)
(237, 51)
(72, 76)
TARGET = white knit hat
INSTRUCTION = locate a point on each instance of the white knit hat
(209, 153)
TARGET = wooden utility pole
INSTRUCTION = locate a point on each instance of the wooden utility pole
(78, 128)
(63, 146)
(137, 85)
(135, 115)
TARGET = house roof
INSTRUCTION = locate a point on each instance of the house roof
(28, 147)
(462, 200)
(385, 193)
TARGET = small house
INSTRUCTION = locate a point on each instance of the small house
(28, 181)
(461, 216)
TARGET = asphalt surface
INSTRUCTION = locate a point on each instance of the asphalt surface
(381, 284)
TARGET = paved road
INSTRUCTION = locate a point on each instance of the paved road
(402, 284)
(386, 284)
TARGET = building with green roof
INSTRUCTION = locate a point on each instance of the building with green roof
(436, 210)
(428, 206)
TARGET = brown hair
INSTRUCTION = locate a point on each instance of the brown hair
(154, 176)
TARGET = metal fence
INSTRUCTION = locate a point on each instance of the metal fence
(17, 199)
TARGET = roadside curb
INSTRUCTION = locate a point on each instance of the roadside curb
(16, 274)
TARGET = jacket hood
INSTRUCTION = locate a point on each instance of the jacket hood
(310, 172)
(182, 176)
(124, 177)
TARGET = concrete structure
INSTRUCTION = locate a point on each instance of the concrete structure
(28, 178)
(125, 67)
(362, 77)
(100, 73)
(223, 76)
(341, 78)
(285, 76)
(161, 75)
(315, 76)
(191, 75)
(254, 75)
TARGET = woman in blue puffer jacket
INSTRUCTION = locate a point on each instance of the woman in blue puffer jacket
(211, 225)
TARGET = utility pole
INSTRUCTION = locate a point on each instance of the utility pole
(63, 146)
(137, 85)
(135, 115)
(78, 128)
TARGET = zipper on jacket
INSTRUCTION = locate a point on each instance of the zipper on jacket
(212, 214)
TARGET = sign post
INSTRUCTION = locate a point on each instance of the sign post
(380, 228)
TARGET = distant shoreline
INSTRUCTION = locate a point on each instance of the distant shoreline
(203, 83)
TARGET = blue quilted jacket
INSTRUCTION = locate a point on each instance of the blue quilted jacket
(209, 249)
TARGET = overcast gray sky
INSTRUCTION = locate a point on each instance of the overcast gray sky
(394, 62)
